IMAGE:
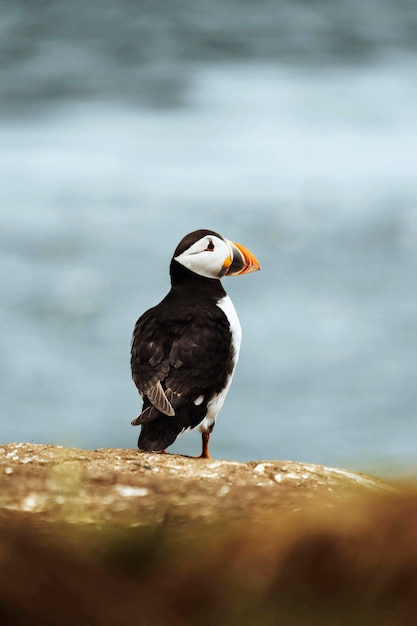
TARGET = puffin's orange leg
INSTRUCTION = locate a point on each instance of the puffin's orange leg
(205, 451)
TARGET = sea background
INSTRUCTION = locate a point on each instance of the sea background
(290, 127)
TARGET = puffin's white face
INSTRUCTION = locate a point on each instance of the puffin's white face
(210, 256)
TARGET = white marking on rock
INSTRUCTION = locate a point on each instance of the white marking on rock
(362, 480)
(131, 492)
(31, 502)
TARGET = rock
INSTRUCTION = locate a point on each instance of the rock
(117, 537)
(130, 488)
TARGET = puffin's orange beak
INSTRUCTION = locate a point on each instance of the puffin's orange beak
(243, 261)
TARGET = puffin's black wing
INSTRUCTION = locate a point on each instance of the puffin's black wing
(181, 358)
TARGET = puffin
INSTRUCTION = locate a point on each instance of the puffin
(185, 349)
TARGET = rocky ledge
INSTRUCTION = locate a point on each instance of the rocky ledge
(132, 488)
(116, 537)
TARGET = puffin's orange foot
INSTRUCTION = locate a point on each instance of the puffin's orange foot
(203, 456)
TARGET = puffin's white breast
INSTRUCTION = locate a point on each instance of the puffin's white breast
(214, 406)
(226, 305)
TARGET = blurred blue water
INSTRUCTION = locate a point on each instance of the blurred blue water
(313, 169)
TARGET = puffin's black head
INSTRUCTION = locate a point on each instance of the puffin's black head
(208, 254)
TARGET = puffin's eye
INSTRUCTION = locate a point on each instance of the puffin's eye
(210, 245)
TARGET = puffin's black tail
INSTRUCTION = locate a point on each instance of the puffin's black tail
(158, 434)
